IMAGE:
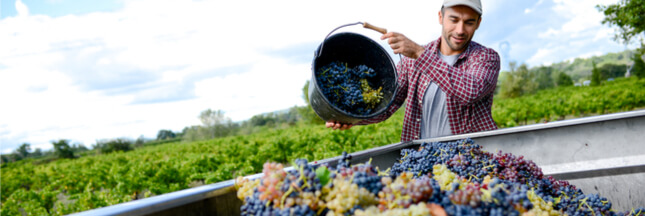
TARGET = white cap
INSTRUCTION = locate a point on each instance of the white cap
(474, 4)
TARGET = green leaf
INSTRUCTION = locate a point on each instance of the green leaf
(323, 174)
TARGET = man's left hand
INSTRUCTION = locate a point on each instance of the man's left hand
(400, 44)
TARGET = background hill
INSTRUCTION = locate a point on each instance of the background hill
(580, 68)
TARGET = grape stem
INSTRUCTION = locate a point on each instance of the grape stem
(302, 176)
(325, 71)
(284, 197)
(584, 202)
(384, 173)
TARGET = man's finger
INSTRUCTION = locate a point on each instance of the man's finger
(393, 40)
(386, 35)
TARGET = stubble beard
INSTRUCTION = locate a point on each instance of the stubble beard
(447, 37)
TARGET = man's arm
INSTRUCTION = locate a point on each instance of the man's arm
(468, 86)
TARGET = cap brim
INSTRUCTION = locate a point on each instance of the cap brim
(465, 3)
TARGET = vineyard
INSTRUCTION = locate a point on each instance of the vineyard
(620, 95)
(65, 186)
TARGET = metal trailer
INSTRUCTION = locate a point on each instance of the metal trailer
(600, 154)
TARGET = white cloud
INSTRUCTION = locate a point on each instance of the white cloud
(543, 56)
(81, 77)
(21, 8)
(575, 32)
(256, 91)
(603, 34)
(580, 15)
(549, 33)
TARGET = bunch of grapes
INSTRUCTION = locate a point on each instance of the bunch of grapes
(346, 197)
(348, 88)
(462, 157)
(363, 175)
(406, 191)
(446, 178)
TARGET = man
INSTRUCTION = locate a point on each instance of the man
(449, 83)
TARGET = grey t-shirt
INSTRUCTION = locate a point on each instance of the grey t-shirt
(434, 120)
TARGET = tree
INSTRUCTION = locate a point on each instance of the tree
(109, 146)
(141, 140)
(23, 151)
(165, 134)
(4, 159)
(192, 133)
(638, 69)
(562, 79)
(509, 87)
(262, 119)
(611, 70)
(212, 118)
(628, 16)
(78, 147)
(62, 149)
(37, 152)
(215, 124)
(518, 82)
(291, 117)
(596, 77)
(543, 77)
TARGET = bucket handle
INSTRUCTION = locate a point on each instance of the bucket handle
(365, 25)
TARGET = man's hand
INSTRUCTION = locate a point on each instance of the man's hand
(402, 45)
(336, 125)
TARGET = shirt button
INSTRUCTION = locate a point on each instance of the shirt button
(418, 119)
(425, 84)
(416, 137)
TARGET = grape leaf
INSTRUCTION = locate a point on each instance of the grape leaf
(323, 174)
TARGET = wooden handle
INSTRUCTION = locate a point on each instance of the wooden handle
(378, 29)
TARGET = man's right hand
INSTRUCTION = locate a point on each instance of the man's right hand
(337, 125)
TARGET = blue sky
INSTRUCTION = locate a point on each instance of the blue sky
(57, 8)
(89, 70)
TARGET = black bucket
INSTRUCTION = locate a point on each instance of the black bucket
(353, 49)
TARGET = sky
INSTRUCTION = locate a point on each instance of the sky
(92, 70)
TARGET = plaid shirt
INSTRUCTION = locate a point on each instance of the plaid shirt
(469, 88)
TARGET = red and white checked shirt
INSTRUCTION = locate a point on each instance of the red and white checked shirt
(469, 88)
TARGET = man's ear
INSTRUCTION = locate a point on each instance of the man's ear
(440, 18)
(479, 21)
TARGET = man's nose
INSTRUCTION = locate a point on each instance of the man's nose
(460, 28)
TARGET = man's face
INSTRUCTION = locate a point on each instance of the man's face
(458, 27)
